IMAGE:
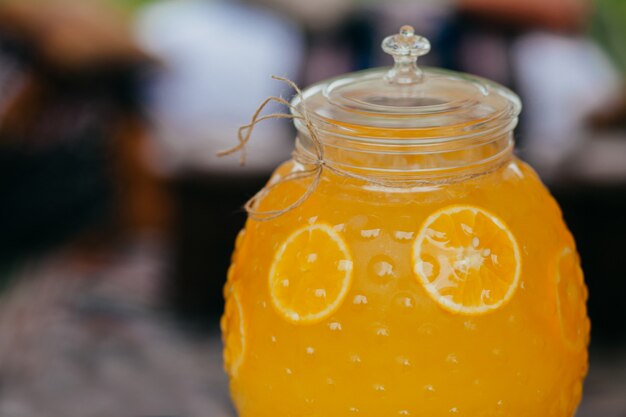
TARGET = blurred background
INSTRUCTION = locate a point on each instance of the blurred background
(117, 220)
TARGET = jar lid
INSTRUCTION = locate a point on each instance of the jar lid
(407, 102)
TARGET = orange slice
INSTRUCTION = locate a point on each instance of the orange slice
(233, 331)
(571, 298)
(467, 260)
(311, 274)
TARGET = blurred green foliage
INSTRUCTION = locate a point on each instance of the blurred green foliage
(133, 5)
(609, 29)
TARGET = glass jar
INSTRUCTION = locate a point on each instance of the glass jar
(405, 262)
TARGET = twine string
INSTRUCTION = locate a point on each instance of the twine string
(315, 162)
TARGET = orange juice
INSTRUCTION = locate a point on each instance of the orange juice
(455, 294)
(391, 347)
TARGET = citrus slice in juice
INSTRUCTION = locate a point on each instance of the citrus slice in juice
(310, 275)
(233, 330)
(571, 297)
(467, 260)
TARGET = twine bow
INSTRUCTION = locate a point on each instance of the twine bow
(316, 163)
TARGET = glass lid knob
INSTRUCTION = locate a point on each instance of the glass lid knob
(405, 47)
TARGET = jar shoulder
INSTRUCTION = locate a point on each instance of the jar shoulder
(513, 193)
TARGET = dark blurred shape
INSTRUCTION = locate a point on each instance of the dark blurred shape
(560, 15)
(207, 216)
(68, 83)
(595, 215)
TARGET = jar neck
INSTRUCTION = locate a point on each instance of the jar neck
(397, 161)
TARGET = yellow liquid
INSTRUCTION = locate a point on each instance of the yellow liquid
(400, 353)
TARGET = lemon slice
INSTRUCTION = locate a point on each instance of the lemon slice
(311, 274)
(233, 331)
(571, 298)
(467, 260)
